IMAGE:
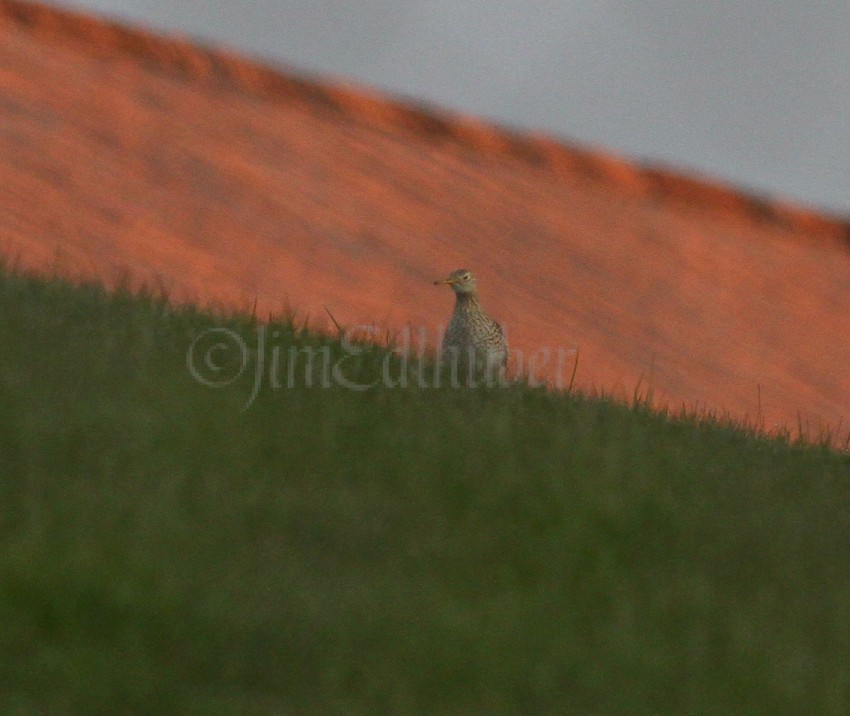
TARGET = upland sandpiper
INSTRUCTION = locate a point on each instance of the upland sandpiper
(472, 338)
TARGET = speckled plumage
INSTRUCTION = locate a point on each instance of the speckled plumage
(471, 334)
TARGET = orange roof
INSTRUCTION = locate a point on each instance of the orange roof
(123, 153)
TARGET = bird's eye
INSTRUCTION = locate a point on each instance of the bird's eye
(466, 277)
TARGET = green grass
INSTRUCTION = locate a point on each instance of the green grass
(389, 551)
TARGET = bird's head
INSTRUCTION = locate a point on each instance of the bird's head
(461, 281)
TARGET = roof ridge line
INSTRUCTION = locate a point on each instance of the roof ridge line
(371, 107)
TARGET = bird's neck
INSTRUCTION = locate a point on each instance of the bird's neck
(466, 302)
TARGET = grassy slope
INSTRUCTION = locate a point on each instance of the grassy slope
(389, 551)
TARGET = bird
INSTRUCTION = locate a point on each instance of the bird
(471, 333)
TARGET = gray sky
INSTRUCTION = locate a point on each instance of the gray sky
(756, 92)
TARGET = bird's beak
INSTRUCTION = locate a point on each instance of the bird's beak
(449, 281)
